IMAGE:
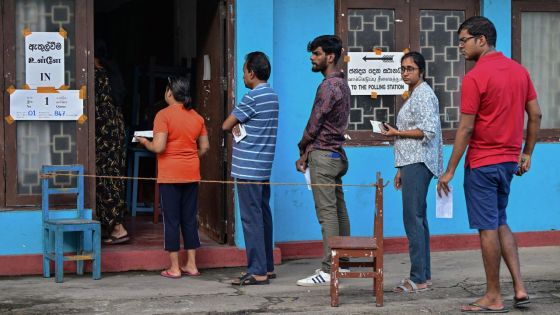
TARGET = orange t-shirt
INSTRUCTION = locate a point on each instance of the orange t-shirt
(179, 162)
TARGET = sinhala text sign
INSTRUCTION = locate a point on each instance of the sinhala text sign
(58, 105)
(369, 72)
(44, 59)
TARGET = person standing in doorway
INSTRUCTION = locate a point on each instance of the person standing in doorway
(110, 148)
(251, 166)
(494, 96)
(418, 158)
(180, 139)
(321, 149)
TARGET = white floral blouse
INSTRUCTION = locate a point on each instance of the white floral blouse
(420, 111)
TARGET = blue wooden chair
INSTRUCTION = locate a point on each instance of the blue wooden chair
(56, 227)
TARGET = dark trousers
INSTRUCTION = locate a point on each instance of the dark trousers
(179, 204)
(415, 179)
(257, 226)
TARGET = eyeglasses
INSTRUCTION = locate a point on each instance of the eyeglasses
(464, 40)
(408, 69)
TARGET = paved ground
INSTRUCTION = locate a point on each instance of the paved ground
(458, 279)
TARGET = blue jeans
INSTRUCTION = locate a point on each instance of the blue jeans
(415, 180)
(257, 226)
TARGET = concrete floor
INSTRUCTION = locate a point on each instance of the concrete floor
(458, 279)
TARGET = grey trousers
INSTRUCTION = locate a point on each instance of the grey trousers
(326, 168)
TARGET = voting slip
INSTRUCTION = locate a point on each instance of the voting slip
(307, 178)
(377, 126)
(444, 205)
(242, 133)
(146, 134)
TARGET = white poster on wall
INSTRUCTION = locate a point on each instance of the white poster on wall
(369, 72)
(44, 59)
(58, 105)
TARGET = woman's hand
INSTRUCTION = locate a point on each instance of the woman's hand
(389, 131)
(397, 180)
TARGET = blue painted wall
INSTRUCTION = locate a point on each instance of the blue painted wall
(499, 12)
(21, 231)
(294, 24)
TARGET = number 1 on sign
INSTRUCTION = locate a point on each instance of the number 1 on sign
(46, 101)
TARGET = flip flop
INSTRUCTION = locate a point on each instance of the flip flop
(271, 275)
(190, 274)
(116, 240)
(477, 308)
(413, 287)
(249, 279)
(166, 274)
(521, 302)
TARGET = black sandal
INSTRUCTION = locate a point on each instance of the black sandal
(249, 279)
(521, 302)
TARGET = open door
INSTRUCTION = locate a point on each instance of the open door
(210, 99)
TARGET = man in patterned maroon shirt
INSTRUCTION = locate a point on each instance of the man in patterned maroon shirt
(321, 149)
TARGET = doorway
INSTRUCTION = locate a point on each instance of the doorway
(149, 41)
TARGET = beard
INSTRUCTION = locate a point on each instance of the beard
(318, 67)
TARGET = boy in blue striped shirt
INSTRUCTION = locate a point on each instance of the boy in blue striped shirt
(251, 166)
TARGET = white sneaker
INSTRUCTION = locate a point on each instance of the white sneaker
(316, 279)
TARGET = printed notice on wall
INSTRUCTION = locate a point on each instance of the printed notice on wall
(44, 59)
(369, 72)
(59, 105)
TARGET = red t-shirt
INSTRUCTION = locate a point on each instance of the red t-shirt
(496, 91)
(179, 162)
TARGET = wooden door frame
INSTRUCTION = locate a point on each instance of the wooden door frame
(230, 104)
(518, 7)
(4, 96)
(85, 140)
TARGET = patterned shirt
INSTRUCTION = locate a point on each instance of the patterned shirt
(329, 117)
(253, 156)
(420, 111)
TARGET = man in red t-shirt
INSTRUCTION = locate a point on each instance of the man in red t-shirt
(494, 96)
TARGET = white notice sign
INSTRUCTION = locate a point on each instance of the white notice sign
(30, 105)
(368, 72)
(44, 59)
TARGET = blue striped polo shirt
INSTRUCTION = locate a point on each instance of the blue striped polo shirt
(252, 156)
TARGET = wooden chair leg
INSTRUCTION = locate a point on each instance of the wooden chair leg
(334, 278)
(59, 256)
(46, 251)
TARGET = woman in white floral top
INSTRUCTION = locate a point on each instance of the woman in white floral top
(418, 159)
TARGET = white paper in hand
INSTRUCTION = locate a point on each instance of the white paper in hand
(444, 204)
(307, 178)
(242, 133)
(145, 134)
(376, 125)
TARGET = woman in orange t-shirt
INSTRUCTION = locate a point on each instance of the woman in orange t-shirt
(180, 138)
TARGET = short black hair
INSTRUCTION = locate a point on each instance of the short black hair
(257, 61)
(180, 87)
(418, 60)
(478, 26)
(331, 44)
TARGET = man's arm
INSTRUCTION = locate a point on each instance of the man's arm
(533, 125)
(229, 123)
(462, 138)
(322, 105)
